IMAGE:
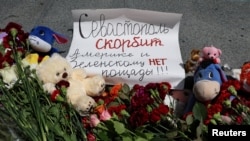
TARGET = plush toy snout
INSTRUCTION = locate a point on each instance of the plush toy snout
(65, 75)
(206, 90)
(39, 44)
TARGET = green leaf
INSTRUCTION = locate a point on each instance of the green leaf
(126, 138)
(149, 136)
(172, 134)
(199, 130)
(140, 139)
(103, 136)
(54, 111)
(199, 111)
(123, 96)
(114, 103)
(189, 119)
(125, 89)
(145, 135)
(2, 49)
(119, 127)
(125, 113)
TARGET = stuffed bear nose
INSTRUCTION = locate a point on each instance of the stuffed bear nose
(65, 75)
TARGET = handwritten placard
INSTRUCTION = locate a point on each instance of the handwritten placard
(128, 45)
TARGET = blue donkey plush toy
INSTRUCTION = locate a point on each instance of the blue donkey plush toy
(208, 79)
(42, 38)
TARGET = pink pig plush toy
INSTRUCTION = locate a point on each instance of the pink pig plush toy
(211, 53)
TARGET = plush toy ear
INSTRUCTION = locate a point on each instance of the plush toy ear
(60, 38)
(222, 74)
(219, 51)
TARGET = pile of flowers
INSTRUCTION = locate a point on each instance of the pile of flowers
(230, 107)
(136, 114)
(122, 112)
(12, 36)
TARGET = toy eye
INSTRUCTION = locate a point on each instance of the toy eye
(57, 74)
(215, 54)
(210, 75)
(208, 53)
(41, 33)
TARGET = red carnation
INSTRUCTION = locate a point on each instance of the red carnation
(155, 116)
(164, 89)
(139, 118)
(91, 136)
(163, 109)
(55, 96)
(12, 25)
(156, 113)
(239, 120)
(116, 109)
(141, 99)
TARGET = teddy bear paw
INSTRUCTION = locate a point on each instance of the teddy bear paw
(97, 86)
(85, 105)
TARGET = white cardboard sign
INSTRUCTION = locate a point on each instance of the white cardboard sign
(128, 45)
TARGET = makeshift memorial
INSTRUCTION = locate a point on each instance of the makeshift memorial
(211, 53)
(120, 112)
(42, 38)
(26, 111)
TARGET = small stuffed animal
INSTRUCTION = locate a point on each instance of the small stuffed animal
(42, 38)
(208, 79)
(56, 69)
(245, 77)
(211, 53)
(192, 62)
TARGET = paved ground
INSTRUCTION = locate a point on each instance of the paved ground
(224, 24)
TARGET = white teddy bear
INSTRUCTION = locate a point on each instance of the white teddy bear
(56, 69)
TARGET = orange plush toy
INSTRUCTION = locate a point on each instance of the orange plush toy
(192, 63)
(245, 76)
